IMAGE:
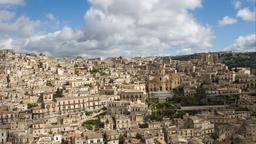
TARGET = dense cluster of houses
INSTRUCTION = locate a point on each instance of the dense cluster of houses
(47, 100)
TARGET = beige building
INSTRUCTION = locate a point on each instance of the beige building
(209, 58)
(202, 127)
(108, 123)
(132, 95)
(187, 133)
(118, 107)
(88, 103)
(112, 136)
(162, 80)
(90, 138)
(3, 135)
(123, 122)
(248, 130)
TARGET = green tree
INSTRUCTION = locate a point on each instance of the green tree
(200, 93)
(89, 124)
(179, 91)
(40, 65)
(58, 93)
(121, 139)
(8, 79)
(105, 138)
(111, 81)
(31, 105)
(144, 125)
(49, 83)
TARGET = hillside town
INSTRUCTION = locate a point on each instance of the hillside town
(125, 100)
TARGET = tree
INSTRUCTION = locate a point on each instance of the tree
(67, 83)
(121, 139)
(89, 124)
(186, 100)
(144, 125)
(49, 83)
(40, 65)
(58, 93)
(156, 116)
(105, 139)
(94, 71)
(8, 79)
(31, 105)
(200, 93)
(241, 108)
(111, 81)
(179, 91)
(139, 136)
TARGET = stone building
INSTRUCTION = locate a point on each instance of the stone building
(132, 95)
(210, 57)
(161, 80)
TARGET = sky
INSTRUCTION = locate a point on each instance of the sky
(106, 28)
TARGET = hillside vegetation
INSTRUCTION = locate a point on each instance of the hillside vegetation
(232, 60)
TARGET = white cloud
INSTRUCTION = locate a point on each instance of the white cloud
(226, 20)
(237, 4)
(6, 15)
(244, 44)
(146, 27)
(7, 43)
(59, 43)
(131, 27)
(11, 2)
(23, 26)
(50, 16)
(53, 23)
(246, 14)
